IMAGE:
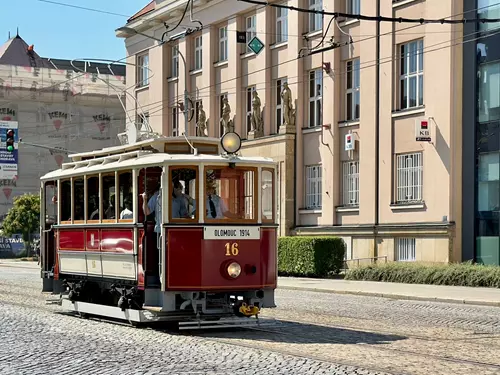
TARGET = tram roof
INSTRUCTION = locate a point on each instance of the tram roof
(146, 158)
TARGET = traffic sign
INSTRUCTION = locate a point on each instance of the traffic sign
(422, 131)
(256, 45)
(241, 37)
(349, 142)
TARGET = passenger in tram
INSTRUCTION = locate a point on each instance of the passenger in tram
(109, 208)
(94, 203)
(127, 211)
(153, 205)
(78, 212)
(179, 207)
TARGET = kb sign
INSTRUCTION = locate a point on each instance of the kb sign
(422, 130)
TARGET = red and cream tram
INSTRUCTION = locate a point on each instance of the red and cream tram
(172, 228)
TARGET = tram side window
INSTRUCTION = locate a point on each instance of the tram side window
(183, 193)
(109, 197)
(51, 203)
(230, 193)
(93, 198)
(267, 193)
(65, 200)
(78, 198)
(125, 196)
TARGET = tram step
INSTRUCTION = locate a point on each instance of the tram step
(226, 323)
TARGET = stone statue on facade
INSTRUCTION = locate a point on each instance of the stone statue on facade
(256, 119)
(202, 122)
(226, 121)
(288, 110)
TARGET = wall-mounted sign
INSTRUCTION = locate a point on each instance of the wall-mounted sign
(349, 142)
(422, 130)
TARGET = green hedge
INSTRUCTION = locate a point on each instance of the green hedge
(463, 274)
(310, 256)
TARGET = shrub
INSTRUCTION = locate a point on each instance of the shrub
(456, 274)
(310, 256)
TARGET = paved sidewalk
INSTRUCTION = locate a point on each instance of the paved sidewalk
(19, 263)
(439, 293)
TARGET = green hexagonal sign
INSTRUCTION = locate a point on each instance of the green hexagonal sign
(256, 45)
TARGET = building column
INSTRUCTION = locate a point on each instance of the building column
(207, 94)
(158, 90)
(234, 65)
(184, 82)
(297, 86)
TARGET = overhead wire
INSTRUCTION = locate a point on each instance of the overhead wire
(339, 45)
(387, 59)
(159, 108)
(373, 18)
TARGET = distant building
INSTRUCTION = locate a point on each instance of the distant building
(55, 105)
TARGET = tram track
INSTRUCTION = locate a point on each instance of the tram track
(386, 349)
(18, 296)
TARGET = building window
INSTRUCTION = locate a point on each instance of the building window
(250, 90)
(142, 120)
(353, 6)
(350, 183)
(251, 24)
(175, 61)
(409, 177)
(279, 104)
(315, 98)
(405, 249)
(315, 19)
(175, 122)
(352, 93)
(221, 109)
(488, 9)
(313, 186)
(489, 92)
(412, 74)
(198, 53)
(143, 70)
(281, 25)
(223, 43)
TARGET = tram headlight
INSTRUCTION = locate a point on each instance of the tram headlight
(231, 142)
(234, 270)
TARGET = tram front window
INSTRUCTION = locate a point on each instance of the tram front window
(230, 193)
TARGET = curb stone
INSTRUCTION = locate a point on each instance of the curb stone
(394, 296)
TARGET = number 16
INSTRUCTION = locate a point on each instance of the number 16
(232, 249)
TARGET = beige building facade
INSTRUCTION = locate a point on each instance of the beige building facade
(351, 164)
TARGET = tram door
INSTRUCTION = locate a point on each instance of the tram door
(48, 211)
(149, 180)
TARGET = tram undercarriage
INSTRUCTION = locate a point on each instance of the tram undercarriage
(191, 310)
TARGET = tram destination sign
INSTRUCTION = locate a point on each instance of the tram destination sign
(230, 232)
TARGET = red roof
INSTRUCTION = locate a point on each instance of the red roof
(148, 8)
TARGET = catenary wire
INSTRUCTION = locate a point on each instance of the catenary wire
(174, 99)
(373, 18)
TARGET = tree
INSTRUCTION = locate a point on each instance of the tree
(24, 218)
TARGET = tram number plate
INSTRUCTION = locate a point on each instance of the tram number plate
(231, 233)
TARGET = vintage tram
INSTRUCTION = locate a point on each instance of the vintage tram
(176, 229)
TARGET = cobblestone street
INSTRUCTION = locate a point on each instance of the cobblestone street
(317, 333)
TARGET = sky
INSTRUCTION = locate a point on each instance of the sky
(68, 33)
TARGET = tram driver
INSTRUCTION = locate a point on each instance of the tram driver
(216, 208)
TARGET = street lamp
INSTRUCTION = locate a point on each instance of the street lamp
(173, 37)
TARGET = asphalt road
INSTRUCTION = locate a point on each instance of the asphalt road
(317, 333)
